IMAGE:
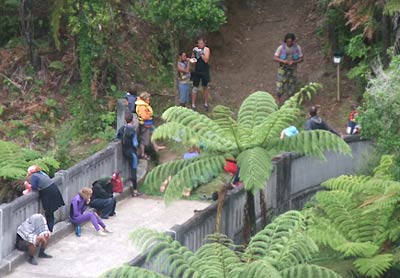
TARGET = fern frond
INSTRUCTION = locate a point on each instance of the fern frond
(322, 232)
(127, 271)
(374, 267)
(260, 269)
(168, 254)
(12, 162)
(162, 171)
(200, 124)
(223, 116)
(217, 260)
(314, 143)
(304, 93)
(309, 271)
(386, 200)
(358, 249)
(198, 171)
(255, 168)
(283, 242)
(385, 168)
(351, 184)
(46, 163)
(255, 109)
(272, 126)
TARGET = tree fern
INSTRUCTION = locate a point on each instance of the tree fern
(281, 250)
(358, 216)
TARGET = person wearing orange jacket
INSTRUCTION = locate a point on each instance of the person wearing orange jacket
(146, 124)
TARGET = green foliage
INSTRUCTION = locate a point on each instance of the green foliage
(253, 139)
(9, 23)
(281, 250)
(381, 110)
(358, 216)
(184, 17)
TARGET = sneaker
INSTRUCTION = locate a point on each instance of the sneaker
(113, 214)
(193, 108)
(206, 107)
(107, 230)
(101, 233)
(32, 260)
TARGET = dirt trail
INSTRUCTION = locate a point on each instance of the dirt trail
(242, 52)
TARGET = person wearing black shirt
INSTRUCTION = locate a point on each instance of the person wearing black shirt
(102, 198)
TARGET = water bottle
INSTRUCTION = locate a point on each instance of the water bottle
(78, 230)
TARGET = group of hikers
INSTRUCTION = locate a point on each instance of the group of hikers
(288, 55)
(135, 135)
(34, 233)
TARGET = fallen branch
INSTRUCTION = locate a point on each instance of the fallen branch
(18, 86)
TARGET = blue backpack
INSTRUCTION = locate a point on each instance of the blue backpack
(131, 102)
(296, 54)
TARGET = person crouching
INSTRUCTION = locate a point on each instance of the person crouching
(33, 233)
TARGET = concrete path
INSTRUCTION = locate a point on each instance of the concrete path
(91, 255)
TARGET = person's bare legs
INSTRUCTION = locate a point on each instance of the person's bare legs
(194, 96)
(206, 92)
(31, 253)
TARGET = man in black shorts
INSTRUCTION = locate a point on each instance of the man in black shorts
(201, 72)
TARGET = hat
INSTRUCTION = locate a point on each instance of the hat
(291, 131)
(144, 95)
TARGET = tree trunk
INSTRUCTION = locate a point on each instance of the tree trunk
(27, 31)
(249, 228)
(385, 38)
(263, 206)
(396, 33)
(221, 199)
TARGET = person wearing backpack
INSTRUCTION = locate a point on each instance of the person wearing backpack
(127, 135)
(130, 102)
(287, 55)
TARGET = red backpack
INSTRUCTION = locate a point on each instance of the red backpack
(116, 181)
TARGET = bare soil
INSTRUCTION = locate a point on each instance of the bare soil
(241, 61)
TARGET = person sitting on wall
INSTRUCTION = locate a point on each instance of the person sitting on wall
(49, 193)
(102, 198)
(78, 215)
(315, 122)
(33, 233)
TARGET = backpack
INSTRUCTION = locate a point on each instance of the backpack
(131, 102)
(116, 181)
(296, 54)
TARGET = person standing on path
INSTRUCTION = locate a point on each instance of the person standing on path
(49, 193)
(314, 122)
(201, 72)
(288, 55)
(32, 233)
(128, 137)
(183, 79)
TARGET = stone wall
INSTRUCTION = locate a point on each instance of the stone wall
(294, 181)
(69, 182)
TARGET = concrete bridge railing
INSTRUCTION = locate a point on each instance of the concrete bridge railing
(294, 180)
(69, 182)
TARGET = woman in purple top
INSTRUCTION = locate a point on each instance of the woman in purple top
(49, 193)
(78, 215)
